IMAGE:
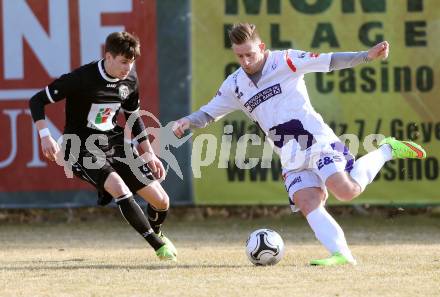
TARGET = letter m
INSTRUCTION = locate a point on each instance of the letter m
(252, 6)
(369, 6)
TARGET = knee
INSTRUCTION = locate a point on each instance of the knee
(347, 191)
(155, 195)
(303, 202)
(162, 202)
(309, 199)
(116, 186)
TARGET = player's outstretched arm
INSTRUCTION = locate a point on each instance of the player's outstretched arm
(180, 126)
(198, 119)
(343, 60)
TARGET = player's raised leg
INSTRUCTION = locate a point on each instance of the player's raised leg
(351, 182)
(327, 230)
(134, 215)
(365, 169)
(157, 210)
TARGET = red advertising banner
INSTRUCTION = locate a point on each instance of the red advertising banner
(39, 41)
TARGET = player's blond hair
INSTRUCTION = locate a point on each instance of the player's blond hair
(242, 32)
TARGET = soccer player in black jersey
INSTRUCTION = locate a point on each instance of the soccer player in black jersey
(94, 144)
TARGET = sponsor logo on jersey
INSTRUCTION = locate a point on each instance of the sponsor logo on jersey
(102, 115)
(302, 55)
(123, 92)
(111, 86)
(238, 93)
(262, 96)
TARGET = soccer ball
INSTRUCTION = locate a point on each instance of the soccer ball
(264, 247)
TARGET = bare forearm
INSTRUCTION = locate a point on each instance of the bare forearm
(146, 146)
(41, 124)
(138, 128)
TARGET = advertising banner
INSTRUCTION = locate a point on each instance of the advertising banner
(396, 97)
(39, 41)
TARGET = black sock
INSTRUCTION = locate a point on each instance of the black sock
(156, 217)
(136, 218)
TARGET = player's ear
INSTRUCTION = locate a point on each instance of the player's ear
(262, 46)
(109, 56)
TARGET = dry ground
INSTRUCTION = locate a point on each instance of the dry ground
(397, 256)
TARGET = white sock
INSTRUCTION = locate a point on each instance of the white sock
(366, 168)
(328, 232)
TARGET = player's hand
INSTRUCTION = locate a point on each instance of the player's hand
(180, 126)
(379, 51)
(155, 165)
(49, 147)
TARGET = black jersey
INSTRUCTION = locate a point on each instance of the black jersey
(93, 98)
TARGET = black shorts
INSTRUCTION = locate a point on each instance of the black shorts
(134, 179)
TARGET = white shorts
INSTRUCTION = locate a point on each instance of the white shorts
(319, 167)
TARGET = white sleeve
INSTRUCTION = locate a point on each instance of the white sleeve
(306, 62)
(224, 102)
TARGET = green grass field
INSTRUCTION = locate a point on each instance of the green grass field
(397, 256)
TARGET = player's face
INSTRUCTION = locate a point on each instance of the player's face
(250, 55)
(118, 66)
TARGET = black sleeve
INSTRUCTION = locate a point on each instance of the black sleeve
(132, 104)
(138, 128)
(57, 90)
(36, 104)
(64, 86)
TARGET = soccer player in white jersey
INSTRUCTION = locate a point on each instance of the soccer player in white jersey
(269, 87)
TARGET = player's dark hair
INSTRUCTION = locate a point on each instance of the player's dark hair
(242, 32)
(124, 44)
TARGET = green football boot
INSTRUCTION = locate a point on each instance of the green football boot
(404, 149)
(335, 259)
(165, 253)
(167, 242)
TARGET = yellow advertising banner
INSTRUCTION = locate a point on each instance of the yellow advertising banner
(398, 97)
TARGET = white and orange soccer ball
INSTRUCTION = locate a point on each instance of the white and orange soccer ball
(264, 247)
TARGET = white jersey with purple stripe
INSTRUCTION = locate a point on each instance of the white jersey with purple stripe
(279, 102)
